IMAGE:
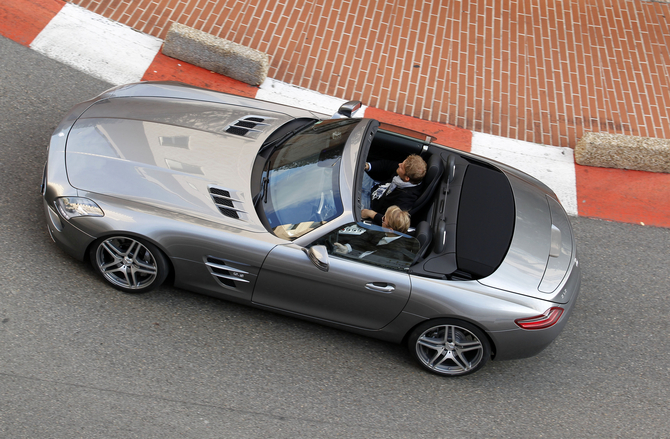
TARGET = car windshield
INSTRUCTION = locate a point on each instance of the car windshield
(302, 187)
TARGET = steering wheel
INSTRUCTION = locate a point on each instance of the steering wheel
(330, 242)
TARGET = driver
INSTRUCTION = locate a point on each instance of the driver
(400, 185)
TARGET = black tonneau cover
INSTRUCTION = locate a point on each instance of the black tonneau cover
(485, 222)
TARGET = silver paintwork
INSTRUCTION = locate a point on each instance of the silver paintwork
(289, 282)
(148, 154)
(529, 267)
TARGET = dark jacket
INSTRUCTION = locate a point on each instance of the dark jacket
(384, 171)
(400, 251)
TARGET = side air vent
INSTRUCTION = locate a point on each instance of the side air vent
(225, 274)
(250, 126)
(228, 205)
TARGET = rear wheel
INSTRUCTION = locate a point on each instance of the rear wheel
(449, 347)
(129, 264)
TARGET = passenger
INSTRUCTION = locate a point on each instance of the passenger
(391, 184)
(395, 220)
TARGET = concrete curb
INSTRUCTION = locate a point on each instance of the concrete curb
(624, 152)
(216, 54)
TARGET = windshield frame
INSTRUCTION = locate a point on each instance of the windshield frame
(332, 188)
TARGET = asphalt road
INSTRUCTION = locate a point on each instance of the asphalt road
(79, 359)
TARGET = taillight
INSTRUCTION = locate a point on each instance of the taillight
(546, 320)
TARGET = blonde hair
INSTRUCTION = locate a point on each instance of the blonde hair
(415, 168)
(397, 219)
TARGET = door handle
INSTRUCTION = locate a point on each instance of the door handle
(380, 287)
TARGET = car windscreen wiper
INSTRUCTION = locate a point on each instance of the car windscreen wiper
(266, 182)
(263, 193)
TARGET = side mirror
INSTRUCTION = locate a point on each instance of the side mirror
(318, 254)
(349, 108)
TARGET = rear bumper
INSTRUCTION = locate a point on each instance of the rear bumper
(522, 343)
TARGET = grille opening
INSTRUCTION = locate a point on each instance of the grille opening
(237, 131)
(217, 191)
(224, 274)
(226, 282)
(230, 213)
(224, 202)
(214, 260)
(244, 126)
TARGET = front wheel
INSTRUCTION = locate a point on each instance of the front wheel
(129, 264)
(449, 347)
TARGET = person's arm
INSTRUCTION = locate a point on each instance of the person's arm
(342, 248)
(372, 215)
(382, 170)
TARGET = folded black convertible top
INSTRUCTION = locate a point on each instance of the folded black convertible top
(485, 223)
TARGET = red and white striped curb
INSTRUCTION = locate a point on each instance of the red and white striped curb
(118, 54)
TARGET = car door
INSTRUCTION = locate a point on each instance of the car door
(356, 290)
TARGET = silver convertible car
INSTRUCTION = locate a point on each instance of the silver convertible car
(245, 200)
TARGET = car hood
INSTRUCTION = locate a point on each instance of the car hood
(189, 156)
(541, 252)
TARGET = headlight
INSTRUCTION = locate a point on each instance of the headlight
(71, 207)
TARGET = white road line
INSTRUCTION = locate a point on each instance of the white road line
(96, 45)
(553, 166)
(287, 94)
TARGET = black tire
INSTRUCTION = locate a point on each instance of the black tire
(129, 264)
(449, 347)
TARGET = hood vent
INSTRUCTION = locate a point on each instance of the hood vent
(250, 126)
(228, 205)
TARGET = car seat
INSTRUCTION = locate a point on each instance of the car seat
(434, 171)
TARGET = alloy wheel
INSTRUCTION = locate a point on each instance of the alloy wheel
(451, 349)
(126, 263)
